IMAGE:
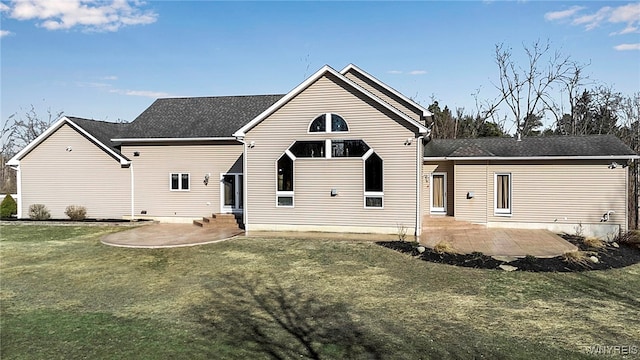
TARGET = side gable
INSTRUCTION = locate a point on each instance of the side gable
(95, 131)
(327, 70)
(385, 92)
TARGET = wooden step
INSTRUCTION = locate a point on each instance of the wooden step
(230, 221)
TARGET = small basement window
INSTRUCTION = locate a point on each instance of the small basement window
(179, 181)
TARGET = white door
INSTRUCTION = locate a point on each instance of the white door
(231, 193)
(438, 193)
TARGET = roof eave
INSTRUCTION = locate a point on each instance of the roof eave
(484, 158)
(145, 140)
(53, 128)
(425, 112)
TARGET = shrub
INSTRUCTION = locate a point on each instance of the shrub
(593, 242)
(39, 212)
(444, 248)
(631, 238)
(8, 207)
(76, 212)
(576, 257)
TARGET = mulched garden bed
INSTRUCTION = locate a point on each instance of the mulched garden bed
(608, 257)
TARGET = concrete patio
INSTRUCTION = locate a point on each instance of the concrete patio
(466, 238)
(463, 237)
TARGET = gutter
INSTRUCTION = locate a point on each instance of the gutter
(148, 140)
(488, 158)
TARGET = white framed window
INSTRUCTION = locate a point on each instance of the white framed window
(502, 194)
(373, 180)
(284, 180)
(179, 181)
(328, 123)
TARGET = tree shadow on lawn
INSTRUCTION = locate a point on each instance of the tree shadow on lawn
(283, 323)
(251, 316)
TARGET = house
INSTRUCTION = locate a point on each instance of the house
(341, 152)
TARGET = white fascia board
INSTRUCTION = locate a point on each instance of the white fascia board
(298, 89)
(485, 158)
(145, 140)
(425, 112)
(15, 160)
(53, 128)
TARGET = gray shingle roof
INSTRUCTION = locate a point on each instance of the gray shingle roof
(198, 117)
(589, 145)
(103, 131)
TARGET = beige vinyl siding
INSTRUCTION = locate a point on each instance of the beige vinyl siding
(580, 191)
(560, 192)
(470, 177)
(440, 167)
(154, 164)
(314, 178)
(85, 176)
(384, 94)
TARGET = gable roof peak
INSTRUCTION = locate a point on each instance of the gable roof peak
(326, 69)
(353, 67)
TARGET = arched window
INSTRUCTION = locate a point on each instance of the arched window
(319, 124)
(338, 123)
(328, 123)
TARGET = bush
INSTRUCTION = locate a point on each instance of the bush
(76, 212)
(8, 207)
(39, 212)
(444, 248)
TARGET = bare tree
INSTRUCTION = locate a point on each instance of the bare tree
(572, 85)
(527, 91)
(16, 133)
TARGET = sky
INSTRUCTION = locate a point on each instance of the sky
(109, 60)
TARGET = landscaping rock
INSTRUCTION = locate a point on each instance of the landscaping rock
(421, 249)
(594, 259)
(506, 259)
(506, 267)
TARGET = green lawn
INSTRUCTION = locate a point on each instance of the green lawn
(64, 295)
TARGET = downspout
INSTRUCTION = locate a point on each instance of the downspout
(245, 211)
(418, 230)
(132, 191)
(636, 163)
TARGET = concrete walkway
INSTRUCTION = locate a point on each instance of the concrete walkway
(500, 242)
(168, 235)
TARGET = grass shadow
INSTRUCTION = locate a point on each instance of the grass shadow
(265, 317)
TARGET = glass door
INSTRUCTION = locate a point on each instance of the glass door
(231, 193)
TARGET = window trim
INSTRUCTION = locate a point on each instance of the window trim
(179, 181)
(502, 211)
(287, 193)
(370, 194)
(327, 124)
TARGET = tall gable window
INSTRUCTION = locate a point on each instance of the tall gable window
(284, 193)
(328, 123)
(373, 181)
